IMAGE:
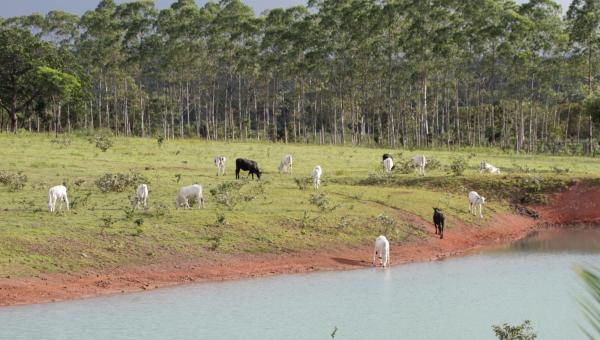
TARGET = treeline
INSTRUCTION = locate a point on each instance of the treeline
(413, 73)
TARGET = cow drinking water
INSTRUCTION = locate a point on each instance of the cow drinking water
(382, 251)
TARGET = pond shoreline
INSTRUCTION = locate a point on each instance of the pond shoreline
(576, 205)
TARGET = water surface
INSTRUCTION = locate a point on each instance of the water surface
(458, 298)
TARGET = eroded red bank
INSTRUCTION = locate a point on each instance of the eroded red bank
(579, 204)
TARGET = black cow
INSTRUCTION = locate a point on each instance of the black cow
(246, 165)
(386, 156)
(438, 220)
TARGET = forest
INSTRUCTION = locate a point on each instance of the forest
(397, 73)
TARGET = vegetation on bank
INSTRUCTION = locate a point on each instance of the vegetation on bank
(278, 214)
(421, 74)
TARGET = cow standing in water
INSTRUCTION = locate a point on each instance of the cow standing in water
(438, 221)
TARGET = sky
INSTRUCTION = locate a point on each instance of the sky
(10, 8)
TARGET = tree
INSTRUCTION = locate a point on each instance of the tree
(59, 86)
(523, 331)
(583, 20)
(20, 56)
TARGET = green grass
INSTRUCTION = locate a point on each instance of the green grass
(272, 217)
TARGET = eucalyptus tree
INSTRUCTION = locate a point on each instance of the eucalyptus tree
(136, 21)
(100, 52)
(583, 20)
(231, 33)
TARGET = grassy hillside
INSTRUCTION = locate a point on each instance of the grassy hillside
(355, 204)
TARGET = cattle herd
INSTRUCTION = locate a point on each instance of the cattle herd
(58, 194)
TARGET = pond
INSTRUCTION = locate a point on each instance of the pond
(458, 298)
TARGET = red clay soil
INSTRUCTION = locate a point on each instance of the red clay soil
(564, 207)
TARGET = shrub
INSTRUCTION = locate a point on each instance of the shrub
(119, 182)
(404, 166)
(302, 182)
(15, 181)
(458, 166)
(320, 201)
(228, 193)
(103, 142)
(160, 140)
(81, 200)
(433, 164)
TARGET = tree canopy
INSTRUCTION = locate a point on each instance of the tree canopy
(395, 72)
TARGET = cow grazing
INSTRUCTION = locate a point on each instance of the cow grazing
(487, 167)
(386, 156)
(316, 176)
(141, 196)
(438, 221)
(246, 165)
(388, 164)
(185, 193)
(418, 163)
(382, 251)
(286, 164)
(57, 193)
(220, 164)
(474, 201)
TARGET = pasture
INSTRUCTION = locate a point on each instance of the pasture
(356, 201)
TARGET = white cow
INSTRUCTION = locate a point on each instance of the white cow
(382, 250)
(58, 192)
(474, 201)
(192, 191)
(388, 164)
(487, 167)
(316, 176)
(286, 164)
(220, 164)
(419, 162)
(141, 196)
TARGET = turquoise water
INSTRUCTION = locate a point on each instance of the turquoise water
(458, 298)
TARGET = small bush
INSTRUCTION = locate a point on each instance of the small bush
(129, 213)
(458, 166)
(160, 140)
(15, 181)
(81, 200)
(302, 182)
(228, 193)
(119, 182)
(107, 223)
(320, 201)
(102, 142)
(404, 166)
(433, 164)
